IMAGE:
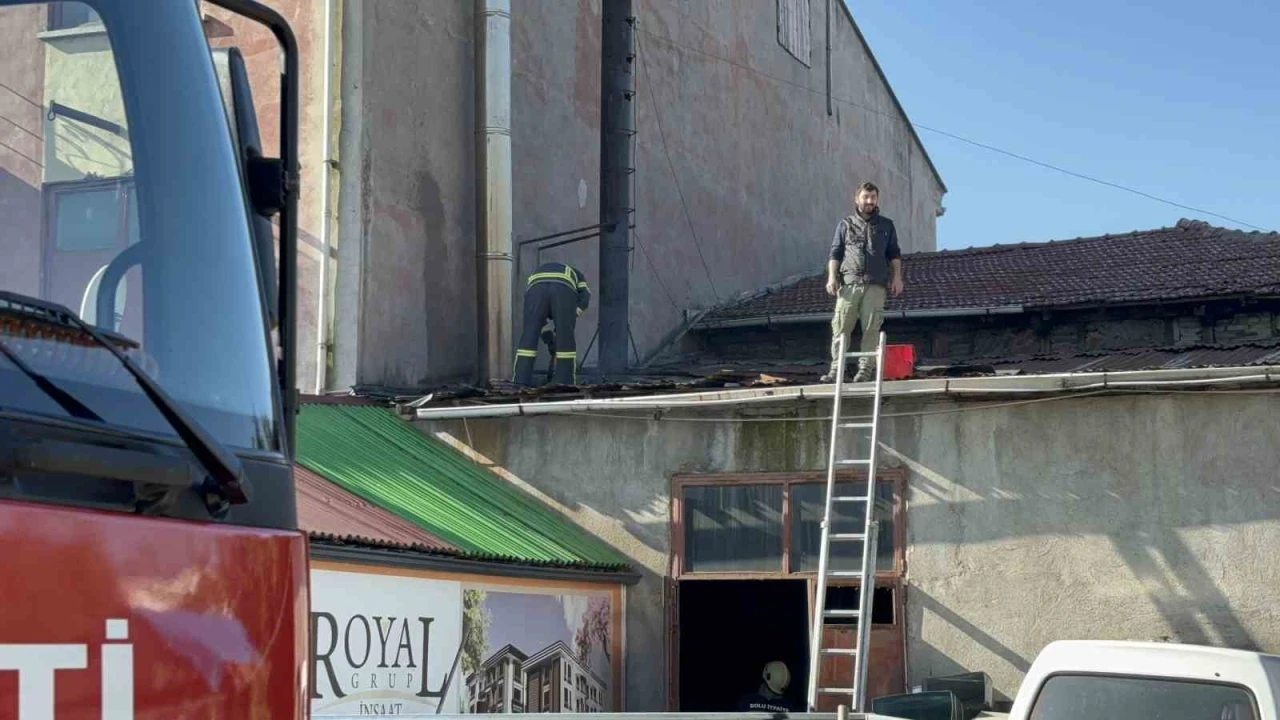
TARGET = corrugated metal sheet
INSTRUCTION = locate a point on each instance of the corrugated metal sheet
(326, 508)
(384, 460)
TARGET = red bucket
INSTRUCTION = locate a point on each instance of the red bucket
(899, 361)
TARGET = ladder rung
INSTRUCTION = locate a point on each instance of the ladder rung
(849, 498)
(836, 691)
(839, 651)
(841, 613)
(847, 537)
(854, 461)
(844, 573)
(871, 354)
(857, 426)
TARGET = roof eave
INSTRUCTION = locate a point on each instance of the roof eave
(825, 317)
(1021, 385)
(323, 549)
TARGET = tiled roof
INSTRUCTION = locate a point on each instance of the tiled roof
(385, 461)
(1187, 261)
(1248, 354)
(326, 509)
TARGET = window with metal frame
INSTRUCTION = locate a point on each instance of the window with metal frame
(769, 525)
(793, 29)
(69, 15)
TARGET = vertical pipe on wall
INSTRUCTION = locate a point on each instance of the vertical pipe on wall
(326, 179)
(828, 62)
(617, 100)
(493, 166)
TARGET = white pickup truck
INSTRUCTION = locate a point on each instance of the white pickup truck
(1088, 680)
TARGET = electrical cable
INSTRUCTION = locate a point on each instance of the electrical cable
(944, 133)
(675, 180)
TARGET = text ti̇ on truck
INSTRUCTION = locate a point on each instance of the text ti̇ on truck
(152, 565)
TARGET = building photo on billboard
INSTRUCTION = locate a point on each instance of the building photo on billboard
(538, 652)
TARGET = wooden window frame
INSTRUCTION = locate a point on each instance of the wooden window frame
(894, 477)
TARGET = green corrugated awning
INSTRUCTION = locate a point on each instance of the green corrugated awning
(373, 453)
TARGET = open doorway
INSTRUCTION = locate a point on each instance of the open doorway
(729, 630)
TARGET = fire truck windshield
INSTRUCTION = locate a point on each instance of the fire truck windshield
(120, 199)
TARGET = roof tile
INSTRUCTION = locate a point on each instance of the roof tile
(1190, 260)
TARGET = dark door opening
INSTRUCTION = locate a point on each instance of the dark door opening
(729, 630)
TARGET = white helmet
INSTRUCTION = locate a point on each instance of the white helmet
(777, 676)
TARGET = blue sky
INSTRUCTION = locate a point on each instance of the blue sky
(1175, 98)
(530, 622)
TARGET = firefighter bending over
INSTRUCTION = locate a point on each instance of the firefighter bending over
(560, 293)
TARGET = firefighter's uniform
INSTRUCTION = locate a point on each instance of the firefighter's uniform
(560, 293)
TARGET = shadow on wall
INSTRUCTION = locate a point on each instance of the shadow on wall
(1199, 596)
(1176, 581)
(1140, 487)
(937, 662)
(634, 536)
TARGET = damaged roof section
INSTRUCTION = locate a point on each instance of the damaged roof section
(1191, 260)
(1190, 296)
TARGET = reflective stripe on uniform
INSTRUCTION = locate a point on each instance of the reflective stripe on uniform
(568, 277)
(567, 355)
(527, 353)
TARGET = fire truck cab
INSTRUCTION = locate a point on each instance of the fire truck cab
(152, 565)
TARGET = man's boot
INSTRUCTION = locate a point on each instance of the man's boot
(866, 371)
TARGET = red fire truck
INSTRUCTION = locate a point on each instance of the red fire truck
(152, 566)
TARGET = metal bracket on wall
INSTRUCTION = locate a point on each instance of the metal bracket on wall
(56, 109)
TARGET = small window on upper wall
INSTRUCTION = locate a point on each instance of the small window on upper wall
(88, 219)
(68, 15)
(793, 28)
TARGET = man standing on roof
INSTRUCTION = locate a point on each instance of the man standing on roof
(560, 293)
(863, 262)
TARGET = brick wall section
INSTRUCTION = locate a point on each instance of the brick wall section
(1062, 332)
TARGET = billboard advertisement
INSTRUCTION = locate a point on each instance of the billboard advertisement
(390, 642)
(383, 644)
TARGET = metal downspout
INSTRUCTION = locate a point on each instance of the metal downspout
(494, 183)
(828, 61)
(328, 167)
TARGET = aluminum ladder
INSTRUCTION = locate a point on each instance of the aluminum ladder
(857, 691)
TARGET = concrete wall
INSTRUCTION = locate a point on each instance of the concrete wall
(405, 310)
(22, 120)
(725, 114)
(1120, 517)
(728, 119)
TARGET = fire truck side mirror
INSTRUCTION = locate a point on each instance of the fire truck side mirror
(263, 177)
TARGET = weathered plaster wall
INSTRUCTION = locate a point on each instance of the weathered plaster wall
(408, 269)
(731, 126)
(1114, 517)
(22, 120)
(724, 113)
